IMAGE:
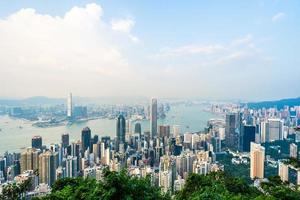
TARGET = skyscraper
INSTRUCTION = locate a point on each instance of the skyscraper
(164, 130)
(248, 136)
(71, 166)
(257, 159)
(36, 142)
(86, 139)
(275, 129)
(271, 130)
(153, 118)
(47, 167)
(231, 135)
(29, 159)
(283, 171)
(293, 150)
(138, 128)
(121, 129)
(69, 106)
(65, 140)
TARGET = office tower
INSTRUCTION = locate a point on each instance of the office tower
(65, 140)
(153, 118)
(71, 166)
(271, 130)
(86, 139)
(29, 159)
(231, 134)
(216, 142)
(69, 106)
(75, 148)
(275, 129)
(164, 131)
(138, 128)
(293, 150)
(47, 167)
(247, 136)
(283, 171)
(121, 129)
(95, 139)
(36, 142)
(257, 159)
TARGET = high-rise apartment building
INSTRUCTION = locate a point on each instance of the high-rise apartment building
(153, 118)
(257, 160)
(283, 171)
(48, 162)
(293, 150)
(29, 159)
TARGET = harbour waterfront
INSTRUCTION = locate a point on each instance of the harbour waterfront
(17, 133)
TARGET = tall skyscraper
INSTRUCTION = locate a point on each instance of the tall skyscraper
(69, 106)
(153, 118)
(121, 129)
(231, 134)
(138, 128)
(48, 162)
(248, 136)
(86, 139)
(36, 142)
(65, 140)
(257, 160)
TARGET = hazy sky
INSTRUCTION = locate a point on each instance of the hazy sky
(206, 49)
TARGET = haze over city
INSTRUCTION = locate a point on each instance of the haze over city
(214, 50)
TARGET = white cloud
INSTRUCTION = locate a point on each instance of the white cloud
(278, 17)
(125, 26)
(213, 54)
(50, 55)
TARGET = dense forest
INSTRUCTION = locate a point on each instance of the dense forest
(118, 185)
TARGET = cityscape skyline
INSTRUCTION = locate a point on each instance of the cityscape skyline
(93, 47)
(166, 100)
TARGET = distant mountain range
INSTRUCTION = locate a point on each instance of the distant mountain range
(41, 100)
(279, 104)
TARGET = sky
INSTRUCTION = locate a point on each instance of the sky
(220, 50)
